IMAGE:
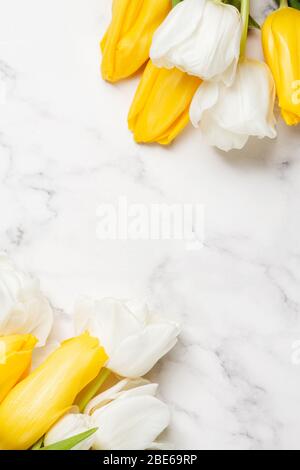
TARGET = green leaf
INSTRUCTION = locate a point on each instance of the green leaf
(38, 445)
(237, 3)
(91, 389)
(68, 444)
(295, 4)
(175, 2)
(292, 3)
(253, 24)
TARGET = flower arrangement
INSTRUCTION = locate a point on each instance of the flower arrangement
(196, 68)
(87, 392)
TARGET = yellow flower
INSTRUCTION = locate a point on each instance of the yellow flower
(160, 109)
(15, 360)
(126, 44)
(281, 42)
(37, 402)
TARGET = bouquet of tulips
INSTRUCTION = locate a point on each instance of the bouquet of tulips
(197, 68)
(87, 392)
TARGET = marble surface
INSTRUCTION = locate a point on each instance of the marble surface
(233, 381)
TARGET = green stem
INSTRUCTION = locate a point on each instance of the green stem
(91, 390)
(284, 3)
(38, 445)
(245, 14)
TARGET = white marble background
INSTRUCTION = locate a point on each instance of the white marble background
(65, 149)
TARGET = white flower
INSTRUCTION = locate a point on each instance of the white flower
(200, 37)
(62, 329)
(23, 307)
(68, 426)
(133, 337)
(129, 417)
(227, 116)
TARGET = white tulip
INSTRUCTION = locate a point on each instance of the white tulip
(200, 37)
(118, 391)
(23, 307)
(133, 337)
(228, 116)
(129, 417)
(68, 426)
(62, 329)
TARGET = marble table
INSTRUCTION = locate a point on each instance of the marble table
(233, 381)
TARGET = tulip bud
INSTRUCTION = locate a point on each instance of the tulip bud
(280, 35)
(128, 416)
(228, 116)
(15, 360)
(160, 109)
(133, 337)
(200, 37)
(23, 307)
(37, 402)
(126, 44)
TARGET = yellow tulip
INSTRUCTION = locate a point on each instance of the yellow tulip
(281, 43)
(15, 360)
(126, 44)
(160, 109)
(36, 403)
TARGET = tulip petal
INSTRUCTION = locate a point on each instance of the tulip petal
(125, 388)
(138, 354)
(133, 340)
(130, 424)
(245, 107)
(23, 308)
(15, 360)
(205, 99)
(49, 392)
(113, 321)
(160, 446)
(227, 116)
(114, 392)
(200, 37)
(160, 108)
(281, 40)
(222, 138)
(125, 46)
(174, 31)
